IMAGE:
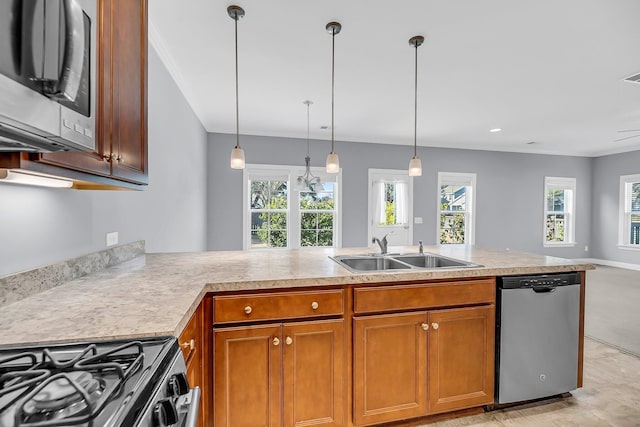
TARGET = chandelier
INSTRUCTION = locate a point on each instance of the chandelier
(307, 181)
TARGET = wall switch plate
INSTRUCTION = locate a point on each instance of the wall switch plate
(417, 220)
(586, 248)
(112, 238)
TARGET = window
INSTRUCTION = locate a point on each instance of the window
(269, 211)
(456, 204)
(559, 211)
(629, 222)
(391, 206)
(317, 216)
(281, 214)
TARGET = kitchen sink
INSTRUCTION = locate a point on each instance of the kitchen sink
(370, 263)
(378, 262)
(432, 261)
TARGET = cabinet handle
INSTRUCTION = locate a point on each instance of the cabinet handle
(315, 305)
(276, 341)
(435, 325)
(425, 326)
(248, 309)
(288, 341)
(191, 344)
(108, 157)
(120, 159)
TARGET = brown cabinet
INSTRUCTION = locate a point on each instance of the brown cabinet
(287, 374)
(191, 342)
(461, 358)
(120, 157)
(389, 367)
(417, 363)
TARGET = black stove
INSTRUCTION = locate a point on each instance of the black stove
(98, 384)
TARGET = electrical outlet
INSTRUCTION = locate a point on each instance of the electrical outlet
(586, 248)
(417, 220)
(112, 238)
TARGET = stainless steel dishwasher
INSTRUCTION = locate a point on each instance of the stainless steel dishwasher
(537, 332)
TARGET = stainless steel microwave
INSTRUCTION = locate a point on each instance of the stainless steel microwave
(47, 75)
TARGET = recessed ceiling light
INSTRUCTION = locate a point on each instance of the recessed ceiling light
(494, 130)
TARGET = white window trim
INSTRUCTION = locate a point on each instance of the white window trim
(461, 178)
(623, 231)
(392, 174)
(291, 172)
(566, 183)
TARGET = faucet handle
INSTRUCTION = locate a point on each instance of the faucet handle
(421, 248)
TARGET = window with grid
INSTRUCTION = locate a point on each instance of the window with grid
(629, 224)
(269, 213)
(559, 215)
(281, 212)
(456, 201)
(317, 216)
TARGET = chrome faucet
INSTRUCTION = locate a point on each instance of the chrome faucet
(420, 249)
(382, 243)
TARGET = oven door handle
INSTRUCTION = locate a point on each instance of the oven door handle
(71, 75)
(194, 406)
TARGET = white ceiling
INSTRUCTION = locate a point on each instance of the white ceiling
(545, 71)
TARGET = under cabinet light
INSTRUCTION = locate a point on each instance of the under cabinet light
(28, 178)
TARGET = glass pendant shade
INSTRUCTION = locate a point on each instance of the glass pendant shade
(415, 166)
(333, 163)
(237, 158)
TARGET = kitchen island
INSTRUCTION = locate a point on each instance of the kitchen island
(158, 294)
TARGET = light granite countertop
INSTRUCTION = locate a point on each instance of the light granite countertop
(155, 294)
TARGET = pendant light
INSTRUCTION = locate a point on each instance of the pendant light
(415, 165)
(237, 155)
(333, 163)
(308, 182)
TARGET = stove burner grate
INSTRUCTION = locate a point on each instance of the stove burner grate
(66, 392)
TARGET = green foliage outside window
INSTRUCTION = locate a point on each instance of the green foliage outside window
(269, 227)
(451, 227)
(316, 226)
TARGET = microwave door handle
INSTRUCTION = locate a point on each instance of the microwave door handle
(71, 75)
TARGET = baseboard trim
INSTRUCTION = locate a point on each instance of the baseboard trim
(606, 262)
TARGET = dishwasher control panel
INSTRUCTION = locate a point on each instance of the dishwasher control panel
(539, 280)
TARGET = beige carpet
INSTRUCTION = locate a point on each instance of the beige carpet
(612, 307)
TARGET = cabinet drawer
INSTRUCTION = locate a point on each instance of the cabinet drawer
(189, 338)
(444, 294)
(285, 305)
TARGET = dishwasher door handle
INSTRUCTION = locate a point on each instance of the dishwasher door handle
(543, 289)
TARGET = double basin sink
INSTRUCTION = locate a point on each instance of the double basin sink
(379, 262)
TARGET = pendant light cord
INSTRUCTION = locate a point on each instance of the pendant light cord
(237, 108)
(333, 66)
(415, 107)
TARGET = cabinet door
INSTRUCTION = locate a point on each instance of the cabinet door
(390, 367)
(247, 374)
(313, 374)
(124, 90)
(191, 342)
(461, 358)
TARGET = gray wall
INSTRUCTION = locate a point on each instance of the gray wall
(606, 194)
(40, 226)
(509, 196)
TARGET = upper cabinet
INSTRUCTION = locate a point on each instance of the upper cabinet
(120, 156)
